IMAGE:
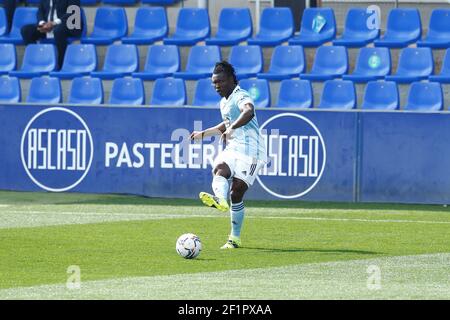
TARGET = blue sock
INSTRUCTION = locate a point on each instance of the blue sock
(237, 218)
(220, 187)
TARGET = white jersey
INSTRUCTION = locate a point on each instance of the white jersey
(246, 141)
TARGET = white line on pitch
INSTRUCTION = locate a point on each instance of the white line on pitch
(176, 216)
(359, 220)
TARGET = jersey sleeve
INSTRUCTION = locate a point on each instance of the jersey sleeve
(242, 99)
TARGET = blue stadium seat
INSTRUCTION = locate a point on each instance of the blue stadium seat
(38, 60)
(372, 64)
(403, 28)
(318, 26)
(246, 60)
(235, 25)
(86, 90)
(161, 2)
(45, 90)
(110, 24)
(438, 36)
(414, 64)
(162, 61)
(295, 93)
(425, 96)
(286, 62)
(201, 62)
(381, 95)
(10, 91)
(356, 32)
(259, 91)
(80, 59)
(330, 62)
(22, 16)
(8, 58)
(338, 94)
(120, 2)
(192, 26)
(150, 25)
(276, 27)
(444, 75)
(120, 60)
(169, 92)
(127, 91)
(205, 94)
(3, 23)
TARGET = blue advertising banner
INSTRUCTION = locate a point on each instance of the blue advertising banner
(405, 157)
(314, 155)
(147, 151)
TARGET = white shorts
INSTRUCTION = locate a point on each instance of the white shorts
(241, 167)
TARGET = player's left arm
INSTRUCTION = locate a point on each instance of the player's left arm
(247, 114)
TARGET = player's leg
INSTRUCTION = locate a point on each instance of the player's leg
(220, 186)
(237, 213)
(244, 176)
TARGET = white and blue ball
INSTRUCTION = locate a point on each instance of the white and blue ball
(188, 246)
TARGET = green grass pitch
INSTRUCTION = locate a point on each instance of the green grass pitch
(124, 247)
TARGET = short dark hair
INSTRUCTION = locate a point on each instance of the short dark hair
(227, 68)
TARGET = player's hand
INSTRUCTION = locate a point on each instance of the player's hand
(226, 134)
(196, 135)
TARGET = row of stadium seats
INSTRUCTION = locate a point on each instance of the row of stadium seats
(116, 2)
(336, 94)
(23, 16)
(164, 60)
(318, 26)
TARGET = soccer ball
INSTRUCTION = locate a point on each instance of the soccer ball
(188, 246)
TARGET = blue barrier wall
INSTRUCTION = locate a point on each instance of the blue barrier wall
(315, 155)
(405, 157)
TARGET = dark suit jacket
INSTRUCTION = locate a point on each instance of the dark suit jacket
(61, 9)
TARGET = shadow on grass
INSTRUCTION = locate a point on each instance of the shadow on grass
(346, 251)
(26, 198)
(205, 259)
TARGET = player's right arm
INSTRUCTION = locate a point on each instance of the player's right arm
(216, 130)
